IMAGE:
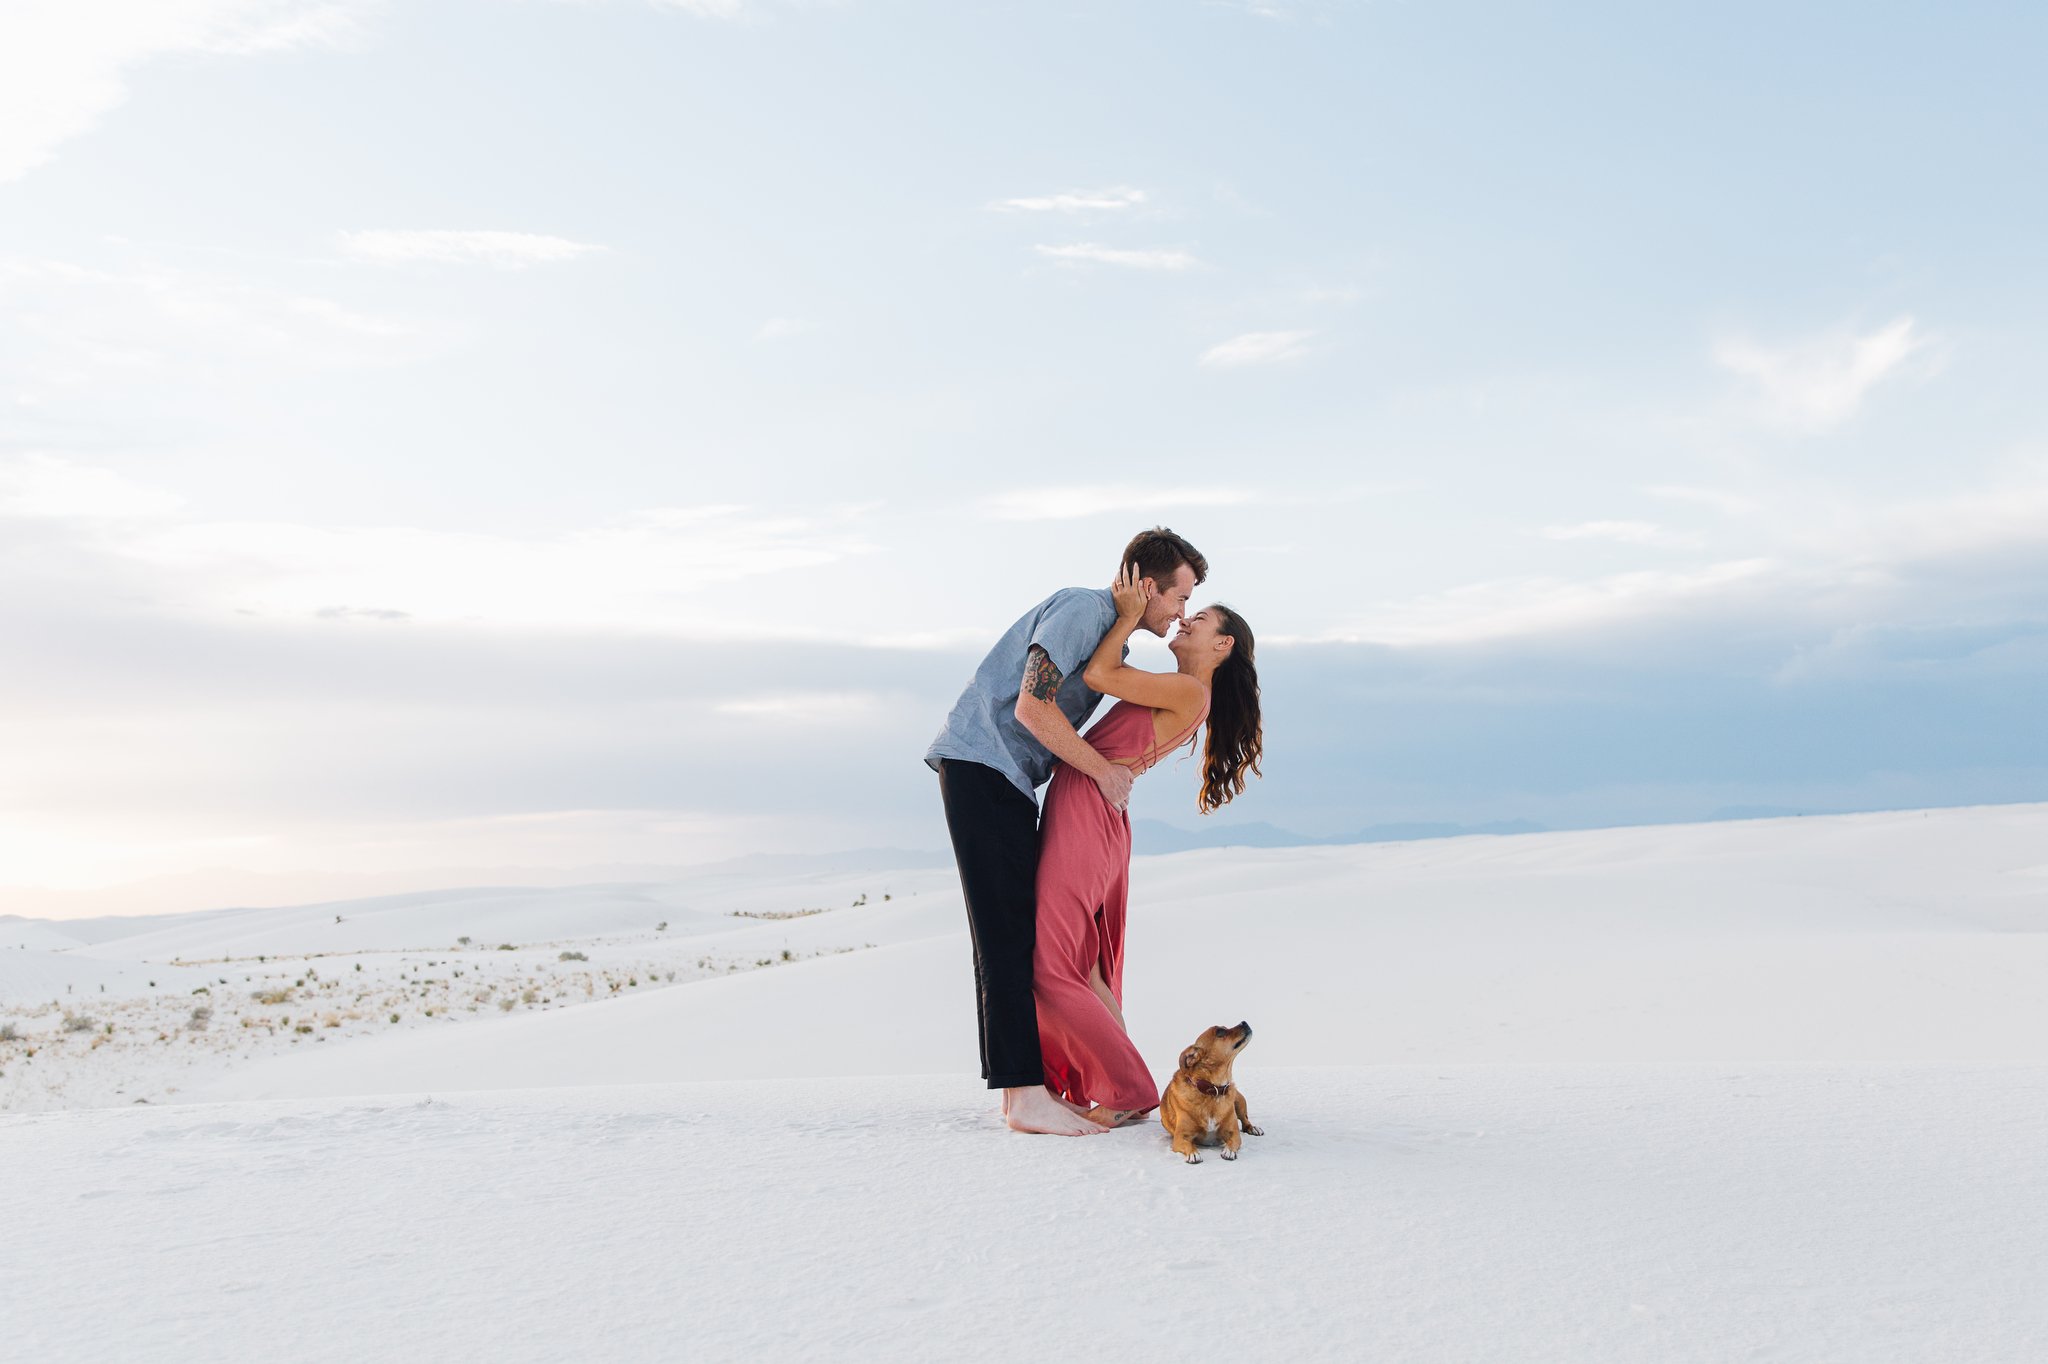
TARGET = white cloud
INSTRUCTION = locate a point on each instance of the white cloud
(811, 707)
(627, 576)
(2011, 514)
(1055, 504)
(1726, 502)
(47, 486)
(1918, 559)
(706, 9)
(647, 572)
(72, 331)
(1075, 201)
(64, 64)
(504, 250)
(1621, 532)
(1819, 383)
(1511, 608)
(1257, 348)
(1152, 258)
(1278, 9)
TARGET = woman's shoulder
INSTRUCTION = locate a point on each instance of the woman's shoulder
(1190, 705)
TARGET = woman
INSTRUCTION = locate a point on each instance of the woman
(1085, 846)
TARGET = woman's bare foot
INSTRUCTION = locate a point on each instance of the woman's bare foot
(1116, 1117)
(1032, 1108)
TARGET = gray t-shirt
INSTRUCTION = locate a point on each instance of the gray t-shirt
(983, 727)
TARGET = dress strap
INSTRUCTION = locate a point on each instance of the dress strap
(1155, 752)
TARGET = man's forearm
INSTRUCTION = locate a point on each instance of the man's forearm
(1051, 727)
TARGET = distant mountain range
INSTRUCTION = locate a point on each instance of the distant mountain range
(114, 906)
(1155, 836)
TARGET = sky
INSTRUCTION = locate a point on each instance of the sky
(529, 440)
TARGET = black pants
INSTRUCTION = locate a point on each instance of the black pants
(995, 841)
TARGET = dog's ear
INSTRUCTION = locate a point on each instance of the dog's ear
(1190, 1058)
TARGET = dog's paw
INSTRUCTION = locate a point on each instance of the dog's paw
(1251, 1131)
(1229, 1153)
(1193, 1158)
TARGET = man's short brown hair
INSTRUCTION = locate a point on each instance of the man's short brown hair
(1159, 553)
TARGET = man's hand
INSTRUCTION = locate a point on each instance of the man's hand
(1042, 718)
(1115, 785)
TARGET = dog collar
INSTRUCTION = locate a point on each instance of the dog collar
(1208, 1088)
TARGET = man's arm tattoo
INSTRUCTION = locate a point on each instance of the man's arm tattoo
(1041, 676)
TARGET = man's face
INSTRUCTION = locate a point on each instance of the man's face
(1169, 600)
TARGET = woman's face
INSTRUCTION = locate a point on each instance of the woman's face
(1200, 634)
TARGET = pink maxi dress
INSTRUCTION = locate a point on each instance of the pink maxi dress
(1084, 869)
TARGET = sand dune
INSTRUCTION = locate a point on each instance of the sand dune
(1861, 939)
(1551, 1214)
(1765, 1090)
(17, 934)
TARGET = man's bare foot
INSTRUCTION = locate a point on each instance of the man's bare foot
(1032, 1108)
(1059, 1099)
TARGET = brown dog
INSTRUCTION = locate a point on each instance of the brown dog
(1200, 1102)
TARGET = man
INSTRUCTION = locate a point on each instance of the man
(1021, 714)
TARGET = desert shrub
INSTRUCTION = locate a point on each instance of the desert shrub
(506, 947)
(529, 996)
(201, 1016)
(572, 956)
(78, 1023)
(280, 995)
(788, 955)
(394, 1018)
(303, 1027)
(505, 1004)
(661, 927)
(9, 1033)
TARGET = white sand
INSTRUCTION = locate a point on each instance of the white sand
(1743, 1091)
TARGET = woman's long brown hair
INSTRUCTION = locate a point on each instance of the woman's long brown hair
(1235, 740)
